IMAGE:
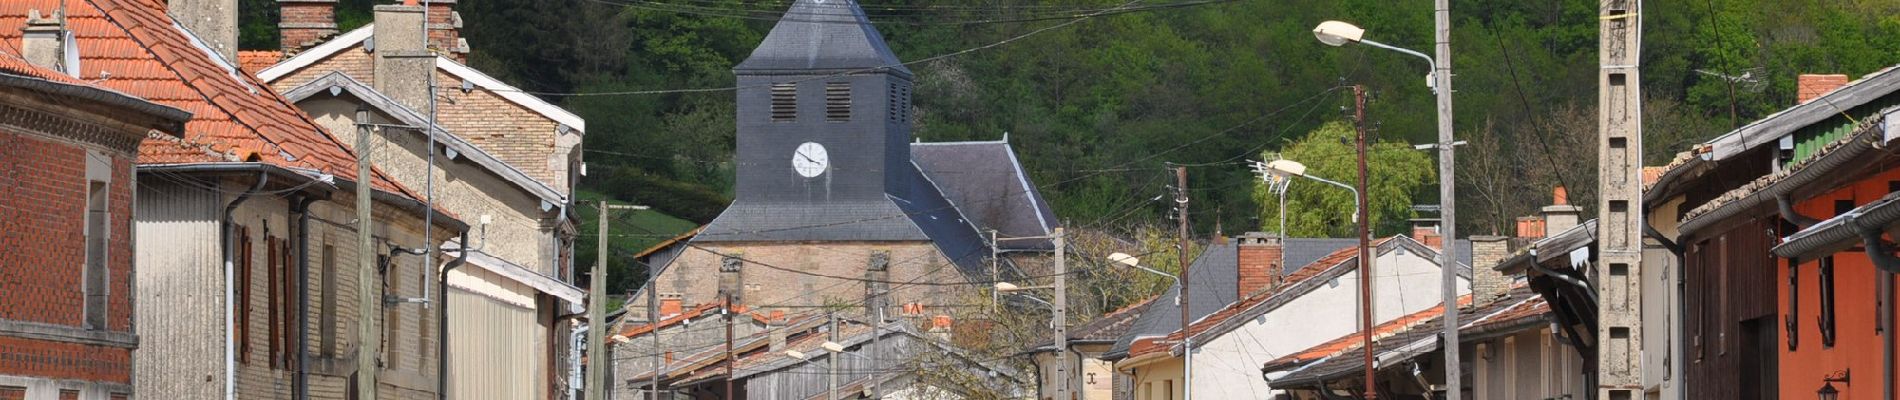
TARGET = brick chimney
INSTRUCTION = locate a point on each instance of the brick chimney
(1811, 86)
(213, 21)
(1487, 284)
(1258, 261)
(940, 327)
(42, 41)
(403, 63)
(1425, 230)
(1530, 227)
(304, 23)
(445, 30)
(1560, 215)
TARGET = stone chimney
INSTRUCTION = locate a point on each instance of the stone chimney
(1425, 230)
(1811, 86)
(403, 62)
(732, 278)
(1530, 227)
(1258, 261)
(42, 41)
(445, 30)
(1487, 284)
(1560, 215)
(304, 23)
(213, 21)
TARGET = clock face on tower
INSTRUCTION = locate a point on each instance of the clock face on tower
(810, 160)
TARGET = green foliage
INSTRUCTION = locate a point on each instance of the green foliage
(1315, 209)
(630, 232)
(1095, 108)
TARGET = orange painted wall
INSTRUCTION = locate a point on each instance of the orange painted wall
(1857, 348)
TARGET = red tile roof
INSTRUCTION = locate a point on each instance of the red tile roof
(133, 47)
(1355, 340)
(253, 61)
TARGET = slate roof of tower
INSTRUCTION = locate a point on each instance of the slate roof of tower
(822, 35)
(987, 183)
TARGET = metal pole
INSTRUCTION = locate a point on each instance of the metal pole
(1365, 240)
(1187, 342)
(996, 297)
(1062, 317)
(1447, 199)
(368, 297)
(831, 378)
(597, 313)
(725, 306)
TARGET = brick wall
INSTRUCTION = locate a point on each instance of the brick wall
(695, 276)
(1258, 261)
(305, 23)
(510, 132)
(352, 61)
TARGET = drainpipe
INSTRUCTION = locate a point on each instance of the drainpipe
(442, 320)
(230, 287)
(1882, 256)
(302, 208)
(1786, 207)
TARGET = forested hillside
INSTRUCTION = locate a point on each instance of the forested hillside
(1096, 108)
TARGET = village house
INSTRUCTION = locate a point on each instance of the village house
(505, 159)
(1794, 321)
(1095, 376)
(247, 281)
(1258, 297)
(67, 329)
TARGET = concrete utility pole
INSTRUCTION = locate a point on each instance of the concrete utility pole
(1447, 199)
(1365, 239)
(597, 359)
(1187, 341)
(1619, 203)
(1062, 317)
(369, 296)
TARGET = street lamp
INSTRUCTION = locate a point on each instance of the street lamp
(1187, 339)
(1336, 33)
(1284, 168)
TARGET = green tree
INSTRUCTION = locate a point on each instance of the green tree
(1314, 209)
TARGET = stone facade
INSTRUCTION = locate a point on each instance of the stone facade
(796, 277)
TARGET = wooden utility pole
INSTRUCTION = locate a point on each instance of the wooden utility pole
(1619, 372)
(1447, 200)
(598, 361)
(831, 379)
(369, 295)
(1187, 341)
(1365, 239)
(1063, 375)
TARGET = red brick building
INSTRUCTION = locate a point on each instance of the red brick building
(66, 183)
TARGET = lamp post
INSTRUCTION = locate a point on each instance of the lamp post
(1336, 33)
(1290, 168)
(1187, 339)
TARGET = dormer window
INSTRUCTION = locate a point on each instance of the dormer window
(838, 102)
(784, 102)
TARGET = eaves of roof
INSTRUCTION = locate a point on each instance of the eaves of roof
(1550, 247)
(1822, 168)
(16, 72)
(1407, 337)
(522, 275)
(337, 82)
(355, 38)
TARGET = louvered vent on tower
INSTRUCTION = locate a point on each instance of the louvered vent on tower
(838, 102)
(784, 102)
(900, 103)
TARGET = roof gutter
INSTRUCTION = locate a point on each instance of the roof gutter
(1780, 189)
(175, 118)
(1840, 232)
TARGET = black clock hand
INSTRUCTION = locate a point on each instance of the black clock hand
(807, 158)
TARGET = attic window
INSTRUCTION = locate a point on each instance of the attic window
(784, 102)
(838, 102)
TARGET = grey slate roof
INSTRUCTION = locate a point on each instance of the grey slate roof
(987, 183)
(822, 35)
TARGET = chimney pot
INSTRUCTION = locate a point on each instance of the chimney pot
(1426, 231)
(1813, 86)
(1560, 215)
